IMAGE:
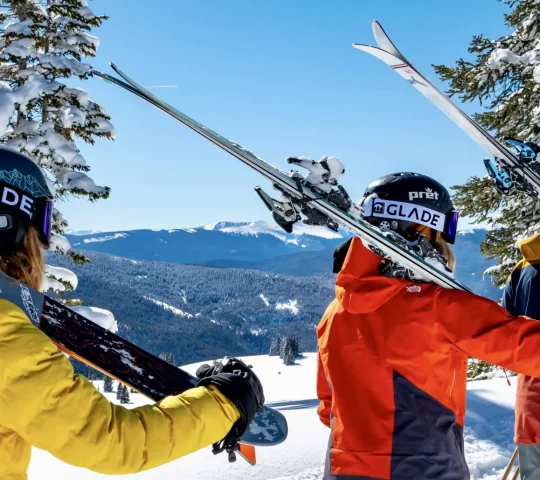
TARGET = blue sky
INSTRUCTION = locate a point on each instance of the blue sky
(279, 77)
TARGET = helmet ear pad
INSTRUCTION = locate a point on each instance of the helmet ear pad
(12, 229)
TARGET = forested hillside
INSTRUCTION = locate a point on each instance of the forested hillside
(199, 312)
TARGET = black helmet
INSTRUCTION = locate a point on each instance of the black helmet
(396, 201)
(25, 199)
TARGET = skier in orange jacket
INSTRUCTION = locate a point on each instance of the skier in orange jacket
(393, 350)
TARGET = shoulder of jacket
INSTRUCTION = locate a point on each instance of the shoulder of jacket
(21, 298)
(530, 249)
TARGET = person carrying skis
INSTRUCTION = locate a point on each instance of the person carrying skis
(522, 297)
(393, 350)
(44, 404)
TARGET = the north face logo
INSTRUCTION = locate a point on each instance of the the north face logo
(414, 288)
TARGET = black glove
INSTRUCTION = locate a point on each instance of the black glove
(240, 385)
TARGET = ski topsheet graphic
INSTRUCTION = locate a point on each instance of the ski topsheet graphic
(105, 351)
(507, 169)
(317, 198)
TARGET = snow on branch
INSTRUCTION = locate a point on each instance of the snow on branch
(40, 115)
(99, 316)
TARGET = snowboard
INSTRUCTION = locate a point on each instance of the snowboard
(109, 353)
(315, 199)
(507, 169)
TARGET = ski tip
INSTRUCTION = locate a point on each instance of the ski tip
(377, 29)
(248, 453)
(113, 66)
(363, 47)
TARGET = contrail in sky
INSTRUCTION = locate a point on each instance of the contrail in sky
(162, 86)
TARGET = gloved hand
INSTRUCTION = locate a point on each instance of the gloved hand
(240, 385)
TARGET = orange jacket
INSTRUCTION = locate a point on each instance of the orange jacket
(522, 296)
(393, 370)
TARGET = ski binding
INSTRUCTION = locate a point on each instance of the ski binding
(506, 178)
(498, 173)
(323, 179)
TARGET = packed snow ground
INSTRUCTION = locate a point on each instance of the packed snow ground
(488, 434)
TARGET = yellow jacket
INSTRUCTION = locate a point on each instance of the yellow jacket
(42, 403)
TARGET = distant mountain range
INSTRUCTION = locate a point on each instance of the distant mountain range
(263, 246)
(245, 241)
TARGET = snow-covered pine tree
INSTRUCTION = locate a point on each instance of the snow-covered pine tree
(275, 347)
(124, 398)
(107, 384)
(288, 352)
(282, 348)
(295, 347)
(168, 357)
(43, 44)
(504, 77)
(119, 391)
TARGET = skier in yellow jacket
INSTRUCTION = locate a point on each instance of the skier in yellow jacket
(44, 404)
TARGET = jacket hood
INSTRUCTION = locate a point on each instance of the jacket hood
(360, 287)
(530, 248)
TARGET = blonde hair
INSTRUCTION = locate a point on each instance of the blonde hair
(26, 264)
(440, 244)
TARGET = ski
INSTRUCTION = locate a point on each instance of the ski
(317, 197)
(506, 170)
(107, 352)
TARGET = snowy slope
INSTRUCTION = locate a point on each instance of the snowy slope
(488, 434)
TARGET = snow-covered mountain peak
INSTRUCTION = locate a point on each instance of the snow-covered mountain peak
(219, 226)
(472, 231)
(262, 227)
(80, 233)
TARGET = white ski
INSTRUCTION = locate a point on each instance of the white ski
(509, 164)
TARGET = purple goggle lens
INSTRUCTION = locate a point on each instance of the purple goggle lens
(44, 220)
(450, 228)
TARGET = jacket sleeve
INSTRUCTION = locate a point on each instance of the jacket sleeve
(51, 408)
(483, 329)
(508, 297)
(522, 292)
(324, 393)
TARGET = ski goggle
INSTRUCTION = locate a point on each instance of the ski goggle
(43, 220)
(15, 204)
(450, 226)
(447, 223)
